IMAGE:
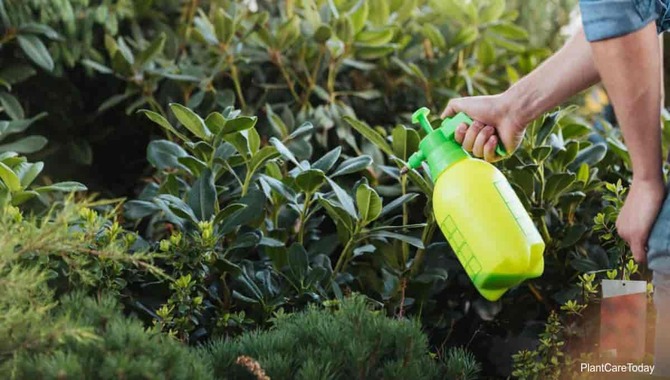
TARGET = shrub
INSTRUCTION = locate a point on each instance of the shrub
(344, 340)
(118, 347)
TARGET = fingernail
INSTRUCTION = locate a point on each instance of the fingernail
(461, 128)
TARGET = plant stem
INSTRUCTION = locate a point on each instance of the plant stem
(426, 236)
(405, 220)
(236, 81)
(247, 181)
(277, 59)
(344, 257)
(304, 217)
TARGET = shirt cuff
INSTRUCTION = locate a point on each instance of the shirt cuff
(604, 19)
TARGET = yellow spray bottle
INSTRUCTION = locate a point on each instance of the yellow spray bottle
(478, 212)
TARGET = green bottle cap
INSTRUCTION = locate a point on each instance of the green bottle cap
(439, 148)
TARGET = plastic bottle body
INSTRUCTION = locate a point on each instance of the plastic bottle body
(487, 227)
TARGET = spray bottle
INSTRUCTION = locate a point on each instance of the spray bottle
(478, 212)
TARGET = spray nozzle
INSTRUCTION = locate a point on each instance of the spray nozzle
(440, 145)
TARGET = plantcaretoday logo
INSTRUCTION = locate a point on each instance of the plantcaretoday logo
(617, 368)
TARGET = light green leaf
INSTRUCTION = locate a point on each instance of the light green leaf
(27, 172)
(160, 120)
(9, 178)
(34, 48)
(370, 134)
(261, 157)
(26, 145)
(416, 242)
(344, 198)
(310, 180)
(202, 196)
(326, 162)
(369, 203)
(191, 121)
(405, 142)
(65, 187)
(352, 165)
(11, 106)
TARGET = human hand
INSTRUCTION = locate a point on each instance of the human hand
(639, 213)
(493, 119)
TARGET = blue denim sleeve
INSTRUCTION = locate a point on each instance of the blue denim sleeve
(604, 19)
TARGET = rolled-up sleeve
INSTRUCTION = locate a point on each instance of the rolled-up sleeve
(604, 19)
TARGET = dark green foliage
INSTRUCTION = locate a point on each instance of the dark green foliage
(118, 347)
(345, 340)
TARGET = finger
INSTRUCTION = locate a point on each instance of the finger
(480, 141)
(490, 149)
(452, 108)
(471, 135)
(639, 251)
(460, 132)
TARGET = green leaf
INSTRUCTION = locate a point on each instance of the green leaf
(224, 26)
(276, 122)
(492, 11)
(352, 165)
(380, 12)
(102, 69)
(26, 145)
(465, 36)
(278, 187)
(381, 235)
(305, 129)
(11, 106)
(170, 203)
(298, 261)
(163, 154)
(34, 48)
(191, 121)
(557, 184)
(344, 198)
(486, 54)
(27, 172)
(65, 187)
(228, 212)
(508, 30)
(34, 28)
(9, 178)
(337, 213)
(376, 37)
(370, 134)
(219, 125)
(136, 209)
(18, 126)
(416, 178)
(160, 120)
(405, 142)
(284, 151)
(369, 203)
(310, 180)
(202, 196)
(261, 157)
(396, 203)
(322, 33)
(326, 162)
(590, 156)
(148, 54)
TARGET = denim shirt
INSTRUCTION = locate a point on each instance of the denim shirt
(604, 19)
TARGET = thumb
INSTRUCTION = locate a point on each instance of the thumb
(453, 107)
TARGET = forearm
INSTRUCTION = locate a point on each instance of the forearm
(629, 67)
(560, 77)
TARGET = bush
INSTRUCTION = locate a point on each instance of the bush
(118, 347)
(344, 340)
